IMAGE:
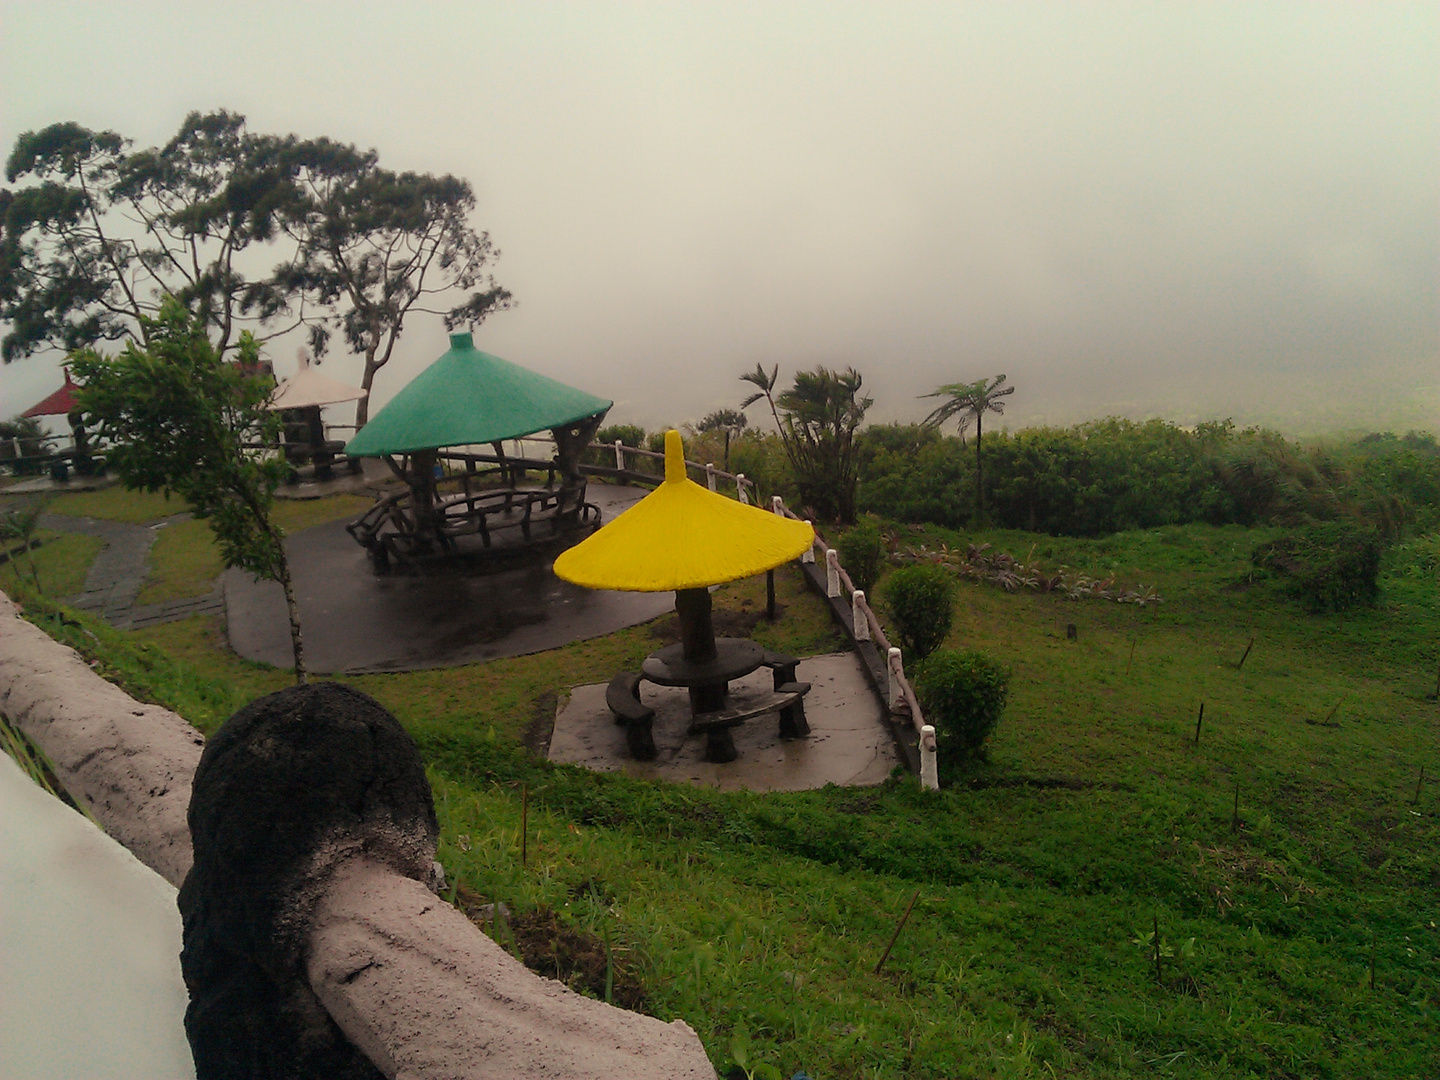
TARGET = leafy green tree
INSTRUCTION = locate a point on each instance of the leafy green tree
(181, 419)
(376, 246)
(817, 419)
(98, 233)
(968, 404)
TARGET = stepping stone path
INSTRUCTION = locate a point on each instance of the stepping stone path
(120, 569)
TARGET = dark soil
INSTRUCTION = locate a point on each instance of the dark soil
(551, 947)
(728, 623)
(541, 727)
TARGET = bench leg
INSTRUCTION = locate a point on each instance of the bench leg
(719, 746)
(640, 740)
(793, 724)
(784, 673)
(708, 698)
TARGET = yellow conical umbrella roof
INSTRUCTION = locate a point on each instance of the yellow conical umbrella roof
(683, 536)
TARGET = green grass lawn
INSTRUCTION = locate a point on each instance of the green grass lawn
(117, 503)
(185, 560)
(1039, 875)
(61, 563)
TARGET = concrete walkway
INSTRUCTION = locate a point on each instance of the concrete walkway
(119, 571)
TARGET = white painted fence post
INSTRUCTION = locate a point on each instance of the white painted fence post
(857, 614)
(619, 454)
(740, 483)
(896, 671)
(809, 553)
(832, 573)
(929, 771)
(710, 475)
(777, 504)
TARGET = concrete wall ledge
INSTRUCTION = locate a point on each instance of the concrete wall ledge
(410, 980)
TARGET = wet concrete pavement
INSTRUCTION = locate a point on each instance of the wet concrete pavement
(354, 621)
(850, 744)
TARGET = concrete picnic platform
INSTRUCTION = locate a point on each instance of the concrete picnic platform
(851, 742)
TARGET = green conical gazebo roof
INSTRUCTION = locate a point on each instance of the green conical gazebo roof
(468, 396)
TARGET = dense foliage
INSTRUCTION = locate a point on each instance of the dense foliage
(962, 693)
(862, 553)
(921, 602)
(1328, 567)
(1112, 475)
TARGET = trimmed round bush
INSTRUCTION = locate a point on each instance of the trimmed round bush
(962, 693)
(862, 553)
(921, 600)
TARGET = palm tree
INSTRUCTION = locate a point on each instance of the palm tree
(728, 421)
(967, 405)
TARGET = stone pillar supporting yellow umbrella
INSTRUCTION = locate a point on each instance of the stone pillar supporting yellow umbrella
(686, 538)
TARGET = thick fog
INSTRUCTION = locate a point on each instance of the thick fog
(1183, 210)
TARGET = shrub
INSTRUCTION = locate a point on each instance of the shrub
(629, 434)
(962, 694)
(921, 600)
(1327, 567)
(862, 553)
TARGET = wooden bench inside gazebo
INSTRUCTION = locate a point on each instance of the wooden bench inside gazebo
(460, 500)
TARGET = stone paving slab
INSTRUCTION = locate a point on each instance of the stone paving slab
(851, 741)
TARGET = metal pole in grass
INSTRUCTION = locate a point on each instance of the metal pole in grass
(1241, 664)
(1235, 811)
(1159, 978)
(1198, 719)
(896, 936)
(770, 595)
(1416, 801)
(1130, 659)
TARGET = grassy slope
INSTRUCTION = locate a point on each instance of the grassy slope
(768, 912)
(61, 562)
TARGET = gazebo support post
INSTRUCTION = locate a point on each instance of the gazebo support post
(421, 478)
(697, 642)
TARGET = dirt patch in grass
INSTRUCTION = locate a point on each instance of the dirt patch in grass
(536, 735)
(551, 947)
(728, 623)
(1223, 869)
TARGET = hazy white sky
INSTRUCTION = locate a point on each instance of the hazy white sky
(1152, 209)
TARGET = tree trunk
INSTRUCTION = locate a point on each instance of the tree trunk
(362, 407)
(293, 610)
(979, 476)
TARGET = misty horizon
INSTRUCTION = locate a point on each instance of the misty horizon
(1187, 212)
